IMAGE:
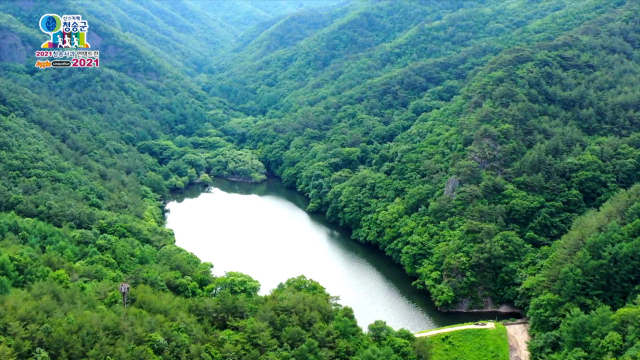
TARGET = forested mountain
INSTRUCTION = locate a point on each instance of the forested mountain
(86, 155)
(460, 158)
(251, 15)
(473, 142)
(585, 299)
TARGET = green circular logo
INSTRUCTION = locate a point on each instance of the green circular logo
(50, 23)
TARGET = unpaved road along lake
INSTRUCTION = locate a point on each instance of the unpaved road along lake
(263, 230)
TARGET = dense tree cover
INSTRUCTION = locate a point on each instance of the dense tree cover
(584, 300)
(462, 141)
(86, 155)
(75, 313)
(238, 165)
(464, 138)
(250, 17)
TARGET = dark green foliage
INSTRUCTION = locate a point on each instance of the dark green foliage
(584, 302)
(464, 143)
(463, 138)
(86, 158)
(465, 164)
(237, 165)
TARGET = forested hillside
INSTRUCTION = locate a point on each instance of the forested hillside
(585, 300)
(461, 148)
(464, 141)
(473, 142)
(86, 155)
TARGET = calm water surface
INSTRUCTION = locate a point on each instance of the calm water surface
(263, 230)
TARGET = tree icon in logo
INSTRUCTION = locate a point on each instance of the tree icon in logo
(50, 24)
(72, 33)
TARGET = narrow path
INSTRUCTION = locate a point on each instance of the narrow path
(518, 337)
(488, 325)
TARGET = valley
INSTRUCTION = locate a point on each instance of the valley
(457, 155)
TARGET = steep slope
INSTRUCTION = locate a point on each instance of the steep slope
(585, 300)
(85, 158)
(244, 15)
(372, 42)
(462, 140)
(169, 31)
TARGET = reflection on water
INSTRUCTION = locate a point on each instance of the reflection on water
(262, 230)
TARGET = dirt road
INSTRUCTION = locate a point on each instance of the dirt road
(488, 325)
(518, 337)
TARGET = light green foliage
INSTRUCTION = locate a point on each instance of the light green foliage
(237, 165)
(471, 344)
(463, 138)
(583, 299)
(462, 148)
(235, 283)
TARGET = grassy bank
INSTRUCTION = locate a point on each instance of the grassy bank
(470, 344)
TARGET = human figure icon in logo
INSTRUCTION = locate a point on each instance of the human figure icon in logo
(52, 24)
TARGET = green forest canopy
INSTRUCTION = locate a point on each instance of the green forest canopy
(473, 142)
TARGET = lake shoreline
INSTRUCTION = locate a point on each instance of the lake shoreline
(271, 237)
(503, 309)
